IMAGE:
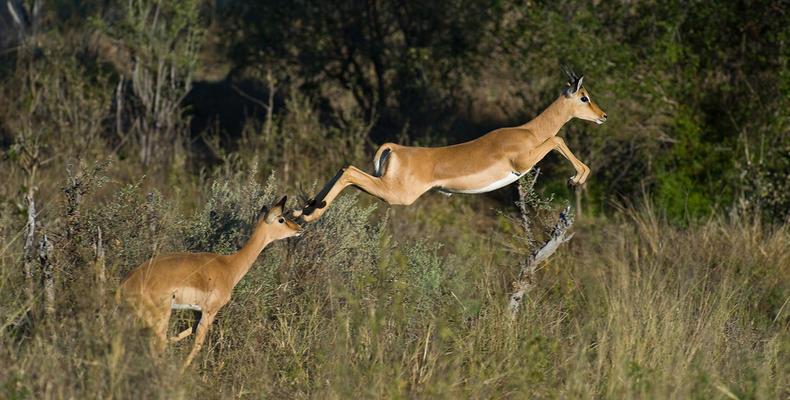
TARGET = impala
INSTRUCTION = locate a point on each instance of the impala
(197, 281)
(496, 159)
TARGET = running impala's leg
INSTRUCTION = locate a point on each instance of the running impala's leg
(159, 340)
(388, 188)
(186, 332)
(200, 336)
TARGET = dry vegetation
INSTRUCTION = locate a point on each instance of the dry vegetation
(631, 307)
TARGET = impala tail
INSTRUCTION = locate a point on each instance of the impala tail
(381, 160)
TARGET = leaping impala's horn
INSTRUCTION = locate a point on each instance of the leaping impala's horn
(572, 77)
(574, 81)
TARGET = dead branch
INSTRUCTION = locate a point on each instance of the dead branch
(30, 231)
(101, 269)
(525, 282)
(48, 281)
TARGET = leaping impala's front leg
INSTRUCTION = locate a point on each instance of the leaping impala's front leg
(555, 142)
(582, 171)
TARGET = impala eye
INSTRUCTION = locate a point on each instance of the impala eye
(281, 220)
(585, 99)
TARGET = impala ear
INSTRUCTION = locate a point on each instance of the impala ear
(276, 211)
(579, 84)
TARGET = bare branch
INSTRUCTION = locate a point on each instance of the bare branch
(48, 281)
(30, 231)
(526, 276)
(98, 248)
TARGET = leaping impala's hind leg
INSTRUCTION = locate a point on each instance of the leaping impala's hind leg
(387, 188)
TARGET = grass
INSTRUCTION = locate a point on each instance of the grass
(364, 305)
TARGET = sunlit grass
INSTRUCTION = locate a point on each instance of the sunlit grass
(632, 307)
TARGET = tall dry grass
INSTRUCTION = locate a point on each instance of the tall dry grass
(632, 307)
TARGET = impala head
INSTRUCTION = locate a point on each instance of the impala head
(583, 106)
(278, 226)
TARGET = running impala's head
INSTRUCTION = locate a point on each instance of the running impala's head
(277, 225)
(582, 104)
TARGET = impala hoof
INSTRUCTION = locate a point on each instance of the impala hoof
(312, 206)
(306, 214)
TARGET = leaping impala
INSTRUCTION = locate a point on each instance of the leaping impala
(197, 281)
(498, 158)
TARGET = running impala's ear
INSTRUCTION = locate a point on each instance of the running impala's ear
(276, 211)
(579, 84)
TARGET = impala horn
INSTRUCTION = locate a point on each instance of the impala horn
(574, 81)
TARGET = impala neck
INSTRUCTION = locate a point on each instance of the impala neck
(551, 120)
(242, 260)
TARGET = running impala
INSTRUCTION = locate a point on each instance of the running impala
(202, 282)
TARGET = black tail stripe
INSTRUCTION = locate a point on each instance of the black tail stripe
(385, 155)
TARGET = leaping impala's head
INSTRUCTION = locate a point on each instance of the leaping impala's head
(579, 98)
(277, 225)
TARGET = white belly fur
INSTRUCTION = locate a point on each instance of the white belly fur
(510, 178)
(176, 306)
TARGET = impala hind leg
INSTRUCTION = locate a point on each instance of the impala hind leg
(318, 202)
(186, 332)
(386, 188)
(181, 336)
(159, 326)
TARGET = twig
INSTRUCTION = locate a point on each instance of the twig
(522, 204)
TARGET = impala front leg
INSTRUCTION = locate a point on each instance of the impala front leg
(552, 143)
(582, 171)
(200, 336)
